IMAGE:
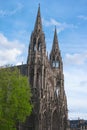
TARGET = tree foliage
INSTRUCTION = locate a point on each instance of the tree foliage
(15, 98)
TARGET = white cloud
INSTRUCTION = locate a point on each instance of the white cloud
(60, 26)
(51, 22)
(5, 43)
(75, 81)
(76, 84)
(11, 12)
(82, 17)
(10, 51)
(78, 58)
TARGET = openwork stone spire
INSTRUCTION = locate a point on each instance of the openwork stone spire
(47, 83)
(38, 24)
(55, 42)
(55, 57)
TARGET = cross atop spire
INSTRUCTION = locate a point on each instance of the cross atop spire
(38, 24)
(55, 41)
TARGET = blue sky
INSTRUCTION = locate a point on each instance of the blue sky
(17, 19)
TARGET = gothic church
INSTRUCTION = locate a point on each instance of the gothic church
(47, 83)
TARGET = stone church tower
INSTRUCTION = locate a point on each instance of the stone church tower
(47, 83)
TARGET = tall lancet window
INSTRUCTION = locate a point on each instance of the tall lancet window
(57, 92)
(34, 48)
(57, 88)
(53, 63)
(57, 64)
(39, 45)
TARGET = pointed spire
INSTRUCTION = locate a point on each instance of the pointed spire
(55, 55)
(55, 41)
(38, 24)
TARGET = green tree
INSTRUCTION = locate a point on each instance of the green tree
(15, 98)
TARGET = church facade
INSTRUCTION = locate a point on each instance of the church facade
(47, 83)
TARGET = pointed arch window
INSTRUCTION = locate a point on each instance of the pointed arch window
(53, 61)
(57, 64)
(53, 64)
(39, 45)
(34, 47)
(57, 92)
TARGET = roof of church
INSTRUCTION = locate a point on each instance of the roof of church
(23, 69)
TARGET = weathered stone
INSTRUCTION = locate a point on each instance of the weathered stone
(47, 83)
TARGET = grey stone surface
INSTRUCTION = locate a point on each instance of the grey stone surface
(47, 83)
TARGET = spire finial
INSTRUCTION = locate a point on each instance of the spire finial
(55, 33)
(39, 5)
(55, 27)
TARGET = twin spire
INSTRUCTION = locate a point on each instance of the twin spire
(38, 28)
